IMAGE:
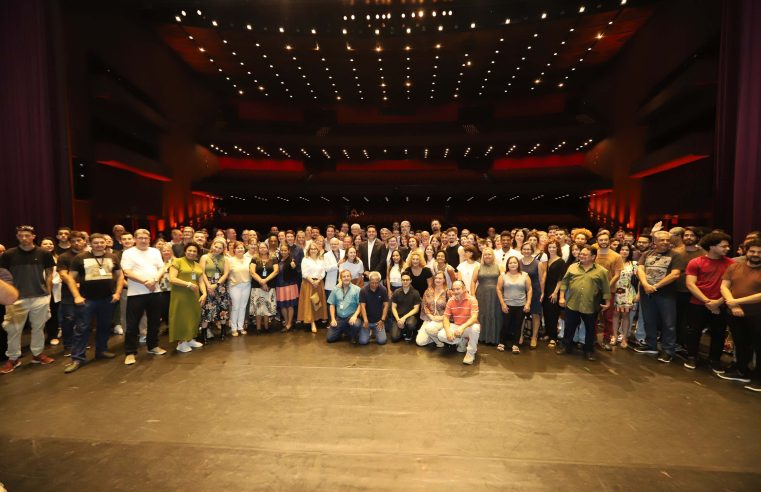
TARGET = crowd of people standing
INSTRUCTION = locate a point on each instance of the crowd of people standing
(518, 289)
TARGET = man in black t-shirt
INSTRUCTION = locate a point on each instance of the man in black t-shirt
(452, 249)
(32, 270)
(66, 308)
(64, 240)
(100, 287)
(405, 305)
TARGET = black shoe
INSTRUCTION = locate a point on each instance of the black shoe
(717, 368)
(690, 362)
(681, 353)
(105, 355)
(665, 358)
(734, 375)
(590, 356)
(756, 386)
(645, 350)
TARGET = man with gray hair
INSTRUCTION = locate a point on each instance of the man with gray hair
(658, 271)
(373, 301)
(144, 268)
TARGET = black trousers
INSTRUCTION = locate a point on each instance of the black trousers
(746, 333)
(150, 304)
(699, 317)
(683, 318)
(572, 321)
(512, 325)
(551, 312)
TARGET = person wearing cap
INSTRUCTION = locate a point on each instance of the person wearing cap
(32, 271)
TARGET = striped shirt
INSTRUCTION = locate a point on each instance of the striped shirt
(461, 311)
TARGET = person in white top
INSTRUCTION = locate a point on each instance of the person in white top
(239, 287)
(312, 301)
(466, 268)
(565, 248)
(144, 268)
(331, 259)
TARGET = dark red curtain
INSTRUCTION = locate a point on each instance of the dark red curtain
(747, 175)
(34, 178)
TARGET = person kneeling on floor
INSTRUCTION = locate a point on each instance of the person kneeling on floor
(344, 310)
(463, 329)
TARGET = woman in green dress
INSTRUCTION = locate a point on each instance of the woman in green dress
(185, 303)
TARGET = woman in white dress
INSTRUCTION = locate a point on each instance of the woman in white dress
(466, 268)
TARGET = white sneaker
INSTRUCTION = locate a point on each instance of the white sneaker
(462, 347)
(194, 344)
(209, 333)
(157, 351)
(438, 343)
(129, 360)
(118, 330)
(469, 358)
(142, 338)
(183, 347)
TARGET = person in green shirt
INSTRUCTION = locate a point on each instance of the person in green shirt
(584, 285)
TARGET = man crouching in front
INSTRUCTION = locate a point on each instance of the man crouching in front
(344, 310)
(464, 329)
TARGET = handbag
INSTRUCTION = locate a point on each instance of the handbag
(316, 302)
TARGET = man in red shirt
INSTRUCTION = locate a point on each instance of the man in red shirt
(463, 330)
(706, 306)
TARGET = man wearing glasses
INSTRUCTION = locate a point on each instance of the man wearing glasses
(32, 271)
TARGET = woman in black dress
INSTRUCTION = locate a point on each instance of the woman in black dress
(552, 270)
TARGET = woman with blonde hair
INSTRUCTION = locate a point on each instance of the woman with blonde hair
(263, 301)
(483, 287)
(216, 270)
(239, 288)
(312, 303)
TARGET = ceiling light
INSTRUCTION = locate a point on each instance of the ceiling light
(178, 18)
(544, 15)
(248, 26)
(582, 9)
(507, 21)
(281, 29)
(472, 25)
(441, 28)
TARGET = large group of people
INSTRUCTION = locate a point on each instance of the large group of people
(655, 293)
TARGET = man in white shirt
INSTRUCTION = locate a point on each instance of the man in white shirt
(331, 259)
(144, 268)
(565, 248)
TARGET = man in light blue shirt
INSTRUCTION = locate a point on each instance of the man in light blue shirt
(344, 310)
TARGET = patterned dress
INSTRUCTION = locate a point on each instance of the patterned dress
(217, 305)
(263, 303)
(625, 291)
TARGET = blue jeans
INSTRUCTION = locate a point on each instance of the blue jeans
(639, 332)
(572, 320)
(376, 329)
(66, 320)
(336, 332)
(660, 313)
(101, 310)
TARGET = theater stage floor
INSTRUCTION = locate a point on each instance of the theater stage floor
(289, 412)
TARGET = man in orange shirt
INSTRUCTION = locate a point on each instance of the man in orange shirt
(611, 261)
(463, 330)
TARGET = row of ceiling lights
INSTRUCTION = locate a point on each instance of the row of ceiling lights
(366, 154)
(407, 198)
(383, 83)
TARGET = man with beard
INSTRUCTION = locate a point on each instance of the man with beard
(178, 249)
(689, 250)
(452, 246)
(741, 289)
(706, 306)
(642, 246)
(66, 310)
